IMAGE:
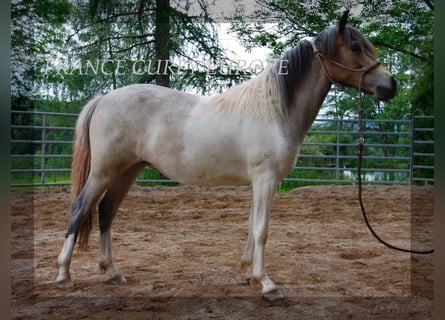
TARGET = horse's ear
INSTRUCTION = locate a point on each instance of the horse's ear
(342, 23)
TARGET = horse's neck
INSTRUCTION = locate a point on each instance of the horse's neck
(308, 97)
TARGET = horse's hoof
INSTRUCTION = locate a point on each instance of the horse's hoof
(117, 279)
(64, 283)
(273, 295)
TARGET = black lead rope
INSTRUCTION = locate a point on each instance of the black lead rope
(359, 176)
(363, 71)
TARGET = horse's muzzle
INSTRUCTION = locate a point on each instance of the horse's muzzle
(388, 91)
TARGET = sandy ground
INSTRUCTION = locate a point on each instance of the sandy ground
(180, 250)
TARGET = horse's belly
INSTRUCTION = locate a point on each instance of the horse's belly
(211, 179)
(206, 168)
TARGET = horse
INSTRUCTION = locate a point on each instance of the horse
(250, 134)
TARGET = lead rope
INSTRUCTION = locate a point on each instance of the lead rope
(359, 177)
(360, 111)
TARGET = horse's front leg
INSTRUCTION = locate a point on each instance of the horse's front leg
(263, 192)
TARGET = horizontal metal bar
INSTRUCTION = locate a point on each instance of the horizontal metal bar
(41, 142)
(42, 127)
(423, 167)
(424, 129)
(383, 133)
(38, 170)
(44, 113)
(364, 120)
(334, 156)
(418, 154)
(51, 156)
(344, 181)
(423, 117)
(423, 179)
(39, 184)
(377, 145)
(381, 145)
(342, 170)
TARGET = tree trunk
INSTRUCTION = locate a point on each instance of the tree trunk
(162, 39)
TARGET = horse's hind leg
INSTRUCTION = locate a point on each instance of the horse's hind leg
(108, 207)
(80, 210)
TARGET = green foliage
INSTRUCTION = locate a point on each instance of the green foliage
(34, 27)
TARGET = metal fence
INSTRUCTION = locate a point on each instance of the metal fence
(396, 152)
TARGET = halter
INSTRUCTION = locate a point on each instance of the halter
(363, 70)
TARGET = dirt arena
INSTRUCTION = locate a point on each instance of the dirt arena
(180, 250)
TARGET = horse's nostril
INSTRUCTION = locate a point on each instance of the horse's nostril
(394, 83)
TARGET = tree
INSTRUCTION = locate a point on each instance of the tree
(116, 43)
(29, 45)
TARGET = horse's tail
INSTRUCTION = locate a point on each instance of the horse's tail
(81, 164)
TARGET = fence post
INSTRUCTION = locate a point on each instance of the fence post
(411, 165)
(337, 159)
(43, 161)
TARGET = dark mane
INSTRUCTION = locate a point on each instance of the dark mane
(292, 68)
(326, 42)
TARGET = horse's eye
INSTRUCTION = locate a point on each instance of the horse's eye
(355, 47)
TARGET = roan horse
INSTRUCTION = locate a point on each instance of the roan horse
(252, 133)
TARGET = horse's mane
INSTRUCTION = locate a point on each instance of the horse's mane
(269, 94)
(258, 96)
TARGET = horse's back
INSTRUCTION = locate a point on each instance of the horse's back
(130, 99)
(132, 109)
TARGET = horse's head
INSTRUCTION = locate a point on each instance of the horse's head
(348, 58)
